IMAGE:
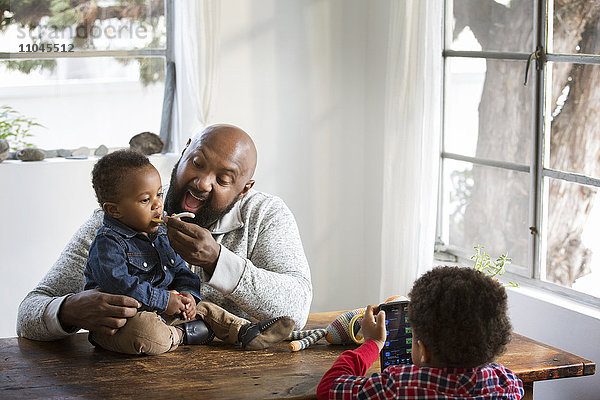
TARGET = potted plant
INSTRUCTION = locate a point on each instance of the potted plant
(14, 130)
(483, 262)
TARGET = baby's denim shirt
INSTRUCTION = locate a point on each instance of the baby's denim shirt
(123, 261)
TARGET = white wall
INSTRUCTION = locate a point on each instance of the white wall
(306, 80)
(560, 323)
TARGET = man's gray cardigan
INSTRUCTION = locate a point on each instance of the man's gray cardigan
(261, 273)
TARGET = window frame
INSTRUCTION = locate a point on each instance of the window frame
(530, 275)
(167, 53)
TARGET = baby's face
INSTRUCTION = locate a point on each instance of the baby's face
(141, 199)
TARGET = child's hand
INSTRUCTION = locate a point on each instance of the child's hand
(374, 329)
(176, 303)
(190, 306)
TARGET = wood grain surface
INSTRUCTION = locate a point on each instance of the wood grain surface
(73, 368)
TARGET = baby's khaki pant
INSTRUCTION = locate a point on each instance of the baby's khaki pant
(147, 333)
(224, 324)
(144, 333)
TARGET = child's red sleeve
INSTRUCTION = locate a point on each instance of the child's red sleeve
(351, 362)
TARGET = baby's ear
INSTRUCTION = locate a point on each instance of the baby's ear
(425, 353)
(112, 209)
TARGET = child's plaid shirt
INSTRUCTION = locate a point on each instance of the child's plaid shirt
(344, 380)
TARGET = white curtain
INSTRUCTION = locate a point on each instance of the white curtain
(411, 143)
(196, 42)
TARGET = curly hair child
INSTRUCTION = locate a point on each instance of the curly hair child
(459, 326)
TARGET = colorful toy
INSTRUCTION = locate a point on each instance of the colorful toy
(338, 332)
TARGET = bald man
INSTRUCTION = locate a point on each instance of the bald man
(244, 245)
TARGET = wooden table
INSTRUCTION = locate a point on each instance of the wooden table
(72, 368)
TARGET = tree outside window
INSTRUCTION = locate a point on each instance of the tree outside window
(521, 162)
(90, 72)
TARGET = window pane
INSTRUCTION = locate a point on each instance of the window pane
(572, 236)
(500, 25)
(574, 27)
(479, 122)
(489, 207)
(86, 102)
(106, 25)
(574, 140)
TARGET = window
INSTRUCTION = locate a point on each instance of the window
(91, 73)
(521, 163)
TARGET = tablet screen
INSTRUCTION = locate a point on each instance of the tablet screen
(398, 343)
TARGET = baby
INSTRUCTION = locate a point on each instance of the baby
(131, 256)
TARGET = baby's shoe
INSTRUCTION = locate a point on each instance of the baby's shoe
(196, 332)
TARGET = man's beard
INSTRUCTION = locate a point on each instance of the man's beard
(205, 216)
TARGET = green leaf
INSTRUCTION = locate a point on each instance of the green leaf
(483, 263)
(15, 127)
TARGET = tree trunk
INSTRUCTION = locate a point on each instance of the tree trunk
(497, 215)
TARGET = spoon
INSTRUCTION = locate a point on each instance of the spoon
(180, 215)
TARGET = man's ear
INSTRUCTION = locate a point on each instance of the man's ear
(247, 187)
(112, 209)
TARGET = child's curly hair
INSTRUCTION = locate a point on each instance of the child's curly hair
(110, 170)
(460, 315)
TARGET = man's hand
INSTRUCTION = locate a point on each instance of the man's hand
(193, 243)
(97, 311)
(374, 329)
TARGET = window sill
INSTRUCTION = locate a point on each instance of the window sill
(546, 292)
(66, 160)
(558, 300)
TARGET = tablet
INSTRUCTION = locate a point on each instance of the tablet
(398, 342)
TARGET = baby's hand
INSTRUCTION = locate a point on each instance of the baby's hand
(190, 306)
(373, 329)
(176, 303)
